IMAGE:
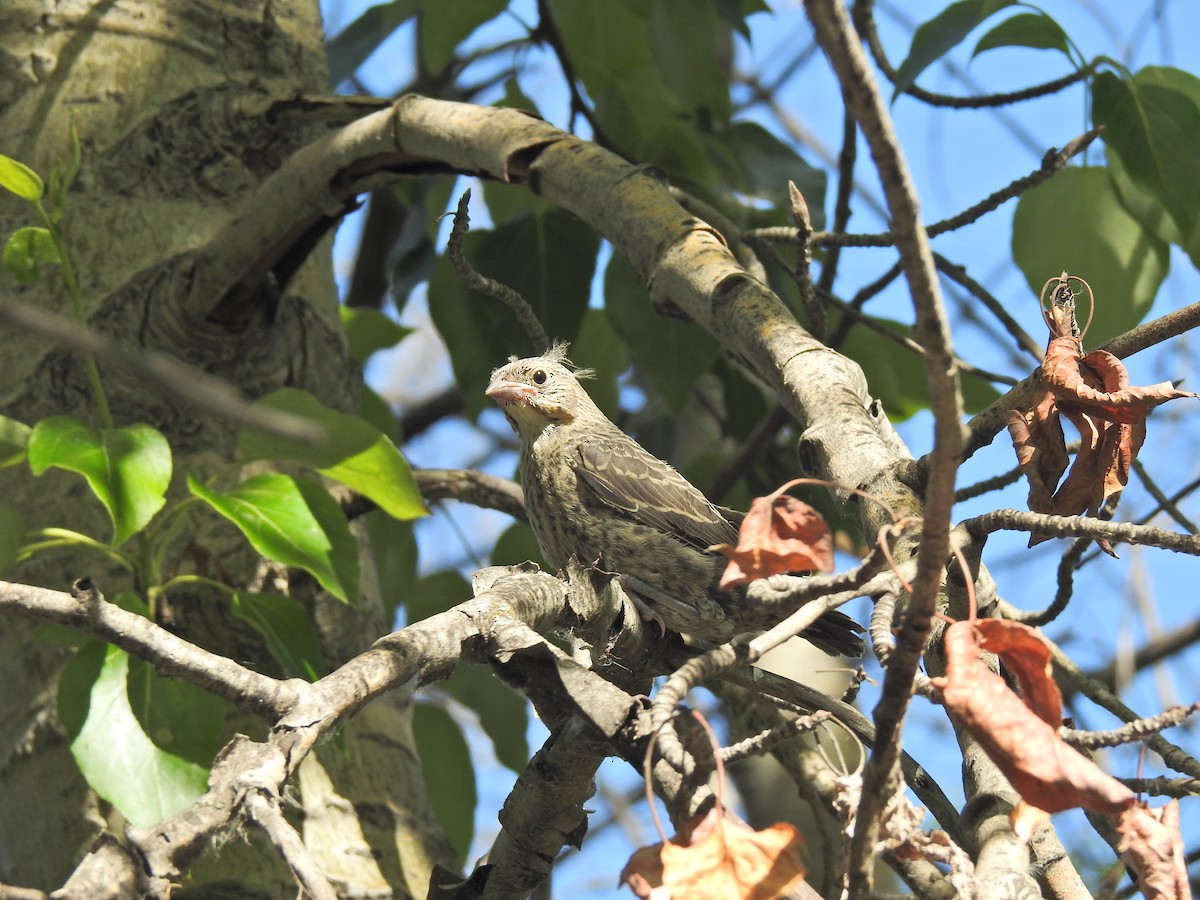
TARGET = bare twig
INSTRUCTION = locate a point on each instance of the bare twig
(261, 806)
(1080, 526)
(1131, 732)
(476, 282)
(865, 22)
(803, 271)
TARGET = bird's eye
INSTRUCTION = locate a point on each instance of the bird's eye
(539, 377)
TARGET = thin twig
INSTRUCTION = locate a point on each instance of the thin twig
(1130, 732)
(1164, 502)
(864, 21)
(261, 806)
(841, 206)
(1080, 526)
(161, 372)
(958, 274)
(502, 292)
(803, 271)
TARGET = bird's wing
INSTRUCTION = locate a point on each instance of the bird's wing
(627, 478)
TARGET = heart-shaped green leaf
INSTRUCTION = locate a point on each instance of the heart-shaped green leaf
(353, 452)
(292, 521)
(287, 629)
(118, 759)
(128, 468)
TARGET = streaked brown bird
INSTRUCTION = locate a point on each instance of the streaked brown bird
(592, 490)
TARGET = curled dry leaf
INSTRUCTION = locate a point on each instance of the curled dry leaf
(1094, 393)
(1049, 774)
(1152, 844)
(723, 859)
(780, 534)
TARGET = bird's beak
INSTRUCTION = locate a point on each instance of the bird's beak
(506, 392)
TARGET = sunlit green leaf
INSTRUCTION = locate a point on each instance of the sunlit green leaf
(20, 179)
(287, 629)
(292, 521)
(128, 468)
(179, 717)
(941, 34)
(1077, 223)
(14, 439)
(120, 762)
(353, 452)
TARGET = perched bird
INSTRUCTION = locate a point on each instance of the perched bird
(593, 491)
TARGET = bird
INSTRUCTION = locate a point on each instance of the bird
(593, 492)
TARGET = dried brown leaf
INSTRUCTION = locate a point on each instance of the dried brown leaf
(1046, 772)
(1152, 844)
(779, 534)
(1026, 655)
(724, 859)
(1093, 391)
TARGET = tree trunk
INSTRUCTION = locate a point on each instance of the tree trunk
(182, 109)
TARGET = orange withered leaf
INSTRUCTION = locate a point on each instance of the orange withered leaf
(1026, 655)
(780, 534)
(723, 859)
(1152, 844)
(1093, 391)
(1049, 774)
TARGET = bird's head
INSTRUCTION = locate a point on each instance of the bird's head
(538, 391)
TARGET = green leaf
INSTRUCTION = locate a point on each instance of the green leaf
(119, 761)
(180, 718)
(502, 712)
(941, 34)
(1076, 222)
(548, 258)
(1153, 123)
(351, 46)
(764, 166)
(681, 32)
(516, 545)
(610, 46)
(1036, 30)
(896, 374)
(292, 521)
(287, 629)
(26, 251)
(437, 593)
(20, 179)
(368, 330)
(14, 441)
(449, 773)
(600, 349)
(671, 352)
(735, 13)
(395, 551)
(12, 534)
(128, 469)
(353, 452)
(376, 412)
(443, 26)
